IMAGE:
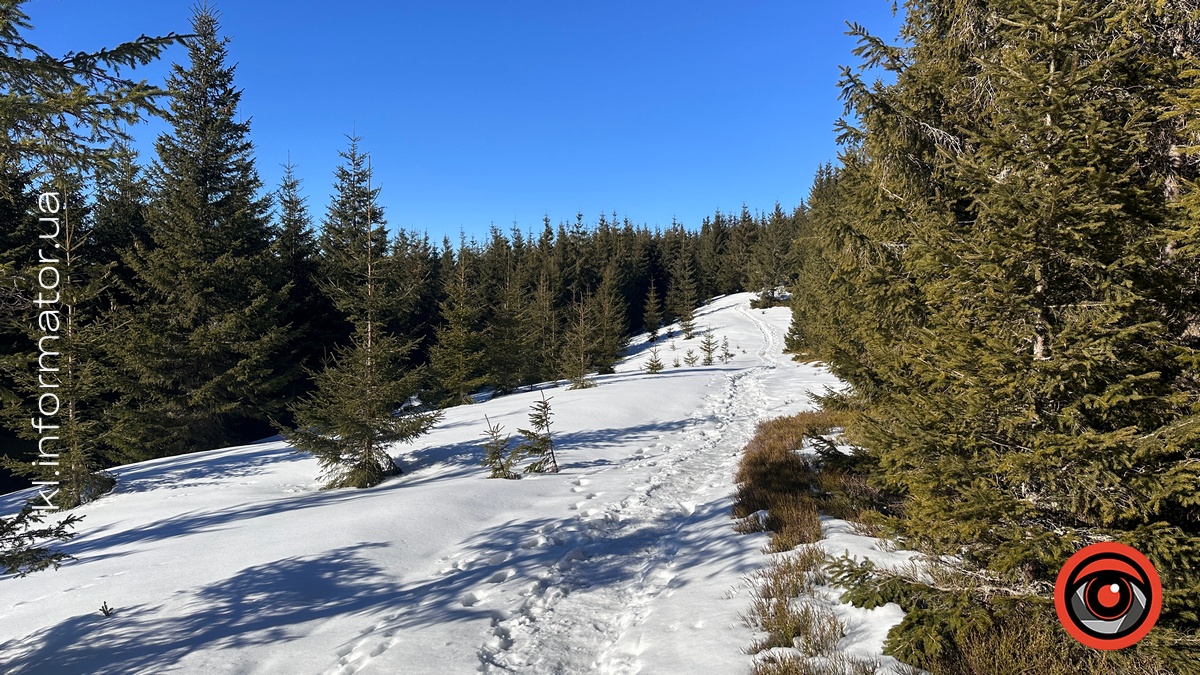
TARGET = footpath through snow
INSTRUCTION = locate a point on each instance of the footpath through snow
(231, 561)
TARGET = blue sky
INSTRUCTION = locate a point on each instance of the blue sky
(493, 112)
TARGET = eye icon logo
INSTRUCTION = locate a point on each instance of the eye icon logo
(1108, 596)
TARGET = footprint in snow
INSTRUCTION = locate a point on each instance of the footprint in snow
(501, 576)
(472, 598)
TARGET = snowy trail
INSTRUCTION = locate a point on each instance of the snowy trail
(617, 554)
(573, 621)
(232, 561)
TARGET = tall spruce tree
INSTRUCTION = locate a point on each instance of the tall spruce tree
(652, 312)
(309, 316)
(682, 292)
(579, 344)
(18, 248)
(360, 405)
(196, 358)
(458, 357)
(119, 225)
(610, 323)
(541, 332)
(504, 339)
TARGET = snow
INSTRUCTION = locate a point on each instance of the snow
(232, 561)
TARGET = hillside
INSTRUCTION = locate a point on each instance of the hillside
(232, 561)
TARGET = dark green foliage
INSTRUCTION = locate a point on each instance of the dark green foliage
(69, 110)
(23, 537)
(194, 356)
(458, 358)
(70, 372)
(308, 314)
(681, 295)
(118, 227)
(497, 455)
(541, 332)
(355, 413)
(538, 443)
(611, 327)
(359, 406)
(18, 243)
(1003, 268)
(652, 312)
(504, 338)
(958, 623)
(691, 358)
(772, 258)
(579, 345)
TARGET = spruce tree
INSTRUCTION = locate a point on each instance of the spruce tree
(769, 267)
(305, 310)
(610, 324)
(538, 442)
(415, 286)
(23, 540)
(578, 347)
(497, 455)
(458, 358)
(18, 247)
(119, 226)
(196, 358)
(504, 343)
(654, 365)
(358, 408)
(683, 295)
(542, 335)
(709, 346)
(652, 312)
(995, 270)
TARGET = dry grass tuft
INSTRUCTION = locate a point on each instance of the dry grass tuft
(775, 479)
(780, 491)
(794, 520)
(788, 621)
(789, 663)
(792, 574)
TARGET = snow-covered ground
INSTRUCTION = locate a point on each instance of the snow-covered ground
(232, 561)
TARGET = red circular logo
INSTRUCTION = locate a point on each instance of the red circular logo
(1108, 596)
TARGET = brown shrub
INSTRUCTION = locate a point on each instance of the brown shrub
(794, 520)
(773, 477)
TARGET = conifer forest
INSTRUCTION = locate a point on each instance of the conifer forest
(1001, 268)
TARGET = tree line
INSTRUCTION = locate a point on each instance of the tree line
(206, 310)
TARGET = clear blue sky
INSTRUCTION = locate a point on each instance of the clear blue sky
(493, 112)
